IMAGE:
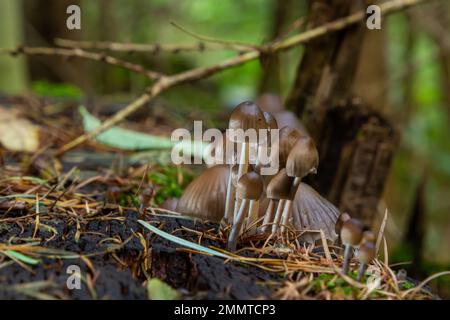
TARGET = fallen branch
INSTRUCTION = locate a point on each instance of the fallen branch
(80, 53)
(149, 48)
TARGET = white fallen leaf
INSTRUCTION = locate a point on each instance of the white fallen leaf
(16, 133)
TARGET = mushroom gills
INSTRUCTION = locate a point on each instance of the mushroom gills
(311, 211)
(204, 197)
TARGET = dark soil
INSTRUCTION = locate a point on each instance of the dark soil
(198, 276)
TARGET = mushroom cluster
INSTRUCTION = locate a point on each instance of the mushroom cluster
(355, 235)
(243, 195)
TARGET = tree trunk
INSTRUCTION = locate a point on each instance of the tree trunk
(270, 80)
(13, 77)
(41, 30)
(355, 142)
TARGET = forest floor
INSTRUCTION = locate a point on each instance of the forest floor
(83, 209)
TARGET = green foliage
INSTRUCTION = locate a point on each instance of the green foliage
(166, 180)
(56, 90)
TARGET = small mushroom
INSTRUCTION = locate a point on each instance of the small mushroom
(270, 102)
(170, 204)
(366, 252)
(311, 211)
(273, 103)
(271, 122)
(277, 191)
(249, 189)
(204, 197)
(288, 118)
(351, 234)
(302, 160)
(245, 116)
(287, 139)
(340, 221)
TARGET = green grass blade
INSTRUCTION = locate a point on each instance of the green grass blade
(21, 257)
(183, 242)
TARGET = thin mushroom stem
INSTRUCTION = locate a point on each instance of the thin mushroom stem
(345, 265)
(268, 215)
(286, 215)
(287, 211)
(362, 269)
(243, 161)
(243, 168)
(229, 201)
(278, 214)
(237, 225)
(253, 216)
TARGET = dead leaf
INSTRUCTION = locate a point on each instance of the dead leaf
(16, 133)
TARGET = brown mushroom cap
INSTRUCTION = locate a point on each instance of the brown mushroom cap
(220, 147)
(368, 236)
(303, 158)
(340, 221)
(247, 115)
(270, 120)
(288, 118)
(311, 211)
(280, 186)
(366, 252)
(270, 102)
(288, 137)
(205, 196)
(250, 186)
(351, 232)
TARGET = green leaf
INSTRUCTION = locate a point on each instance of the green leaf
(131, 140)
(183, 242)
(123, 138)
(21, 257)
(159, 290)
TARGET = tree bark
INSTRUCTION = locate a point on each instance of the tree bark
(355, 142)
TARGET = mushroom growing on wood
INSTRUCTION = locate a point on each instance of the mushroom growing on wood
(311, 211)
(366, 252)
(351, 234)
(302, 160)
(204, 197)
(249, 189)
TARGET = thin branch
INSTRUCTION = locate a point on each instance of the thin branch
(214, 40)
(166, 82)
(80, 53)
(149, 48)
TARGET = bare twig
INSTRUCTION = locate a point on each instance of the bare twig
(149, 48)
(80, 53)
(214, 40)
